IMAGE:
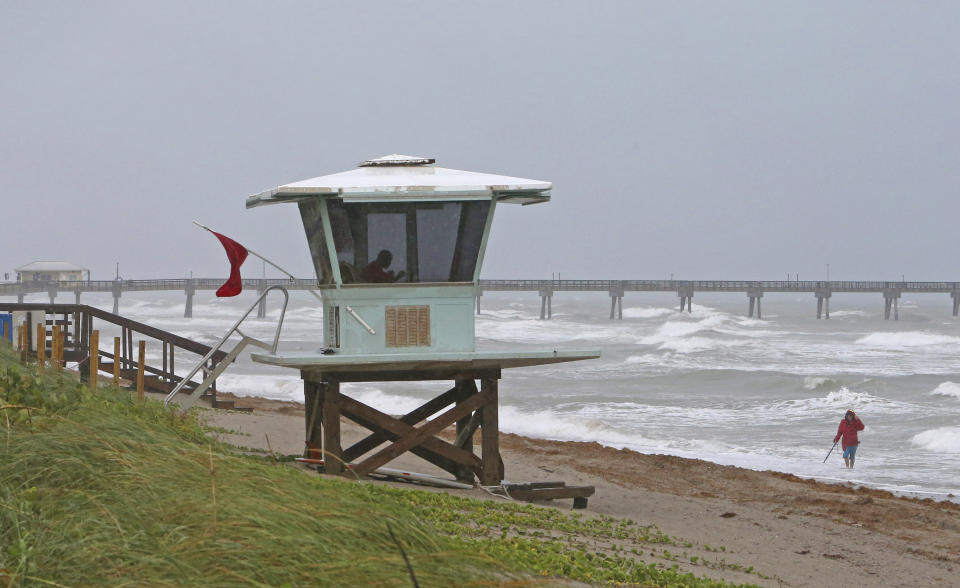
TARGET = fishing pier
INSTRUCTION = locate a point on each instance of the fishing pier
(754, 290)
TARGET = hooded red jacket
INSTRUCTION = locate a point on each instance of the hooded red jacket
(849, 432)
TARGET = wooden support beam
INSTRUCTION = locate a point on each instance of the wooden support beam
(466, 427)
(141, 352)
(531, 492)
(491, 472)
(391, 428)
(411, 418)
(427, 431)
(116, 362)
(41, 344)
(330, 404)
(312, 407)
(94, 359)
(56, 350)
(434, 451)
(465, 434)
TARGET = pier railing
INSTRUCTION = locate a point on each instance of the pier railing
(685, 289)
(716, 285)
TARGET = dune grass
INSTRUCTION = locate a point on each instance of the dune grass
(96, 489)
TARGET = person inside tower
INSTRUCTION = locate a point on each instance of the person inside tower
(376, 271)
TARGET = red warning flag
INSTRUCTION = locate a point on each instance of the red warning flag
(237, 254)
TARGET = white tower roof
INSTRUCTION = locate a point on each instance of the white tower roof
(403, 177)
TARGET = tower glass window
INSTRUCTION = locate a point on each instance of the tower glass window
(398, 242)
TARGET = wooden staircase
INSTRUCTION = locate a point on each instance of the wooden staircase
(158, 385)
(77, 321)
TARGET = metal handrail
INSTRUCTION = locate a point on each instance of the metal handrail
(236, 329)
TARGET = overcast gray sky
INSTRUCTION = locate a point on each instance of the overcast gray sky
(728, 140)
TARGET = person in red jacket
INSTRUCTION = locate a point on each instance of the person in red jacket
(848, 428)
(376, 270)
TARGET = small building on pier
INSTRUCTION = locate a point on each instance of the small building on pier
(51, 271)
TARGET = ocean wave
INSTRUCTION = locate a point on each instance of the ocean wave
(947, 389)
(841, 400)
(898, 340)
(697, 344)
(588, 426)
(262, 386)
(552, 332)
(647, 312)
(816, 382)
(381, 400)
(943, 439)
(546, 424)
(513, 313)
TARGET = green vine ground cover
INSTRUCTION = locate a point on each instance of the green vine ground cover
(98, 490)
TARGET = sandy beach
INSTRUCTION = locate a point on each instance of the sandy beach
(796, 532)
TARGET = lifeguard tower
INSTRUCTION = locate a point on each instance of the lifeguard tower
(397, 245)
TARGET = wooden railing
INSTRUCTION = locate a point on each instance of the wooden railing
(78, 321)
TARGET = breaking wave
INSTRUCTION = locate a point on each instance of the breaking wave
(818, 382)
(947, 389)
(943, 439)
(647, 312)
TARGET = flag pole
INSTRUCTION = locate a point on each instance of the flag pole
(352, 312)
(252, 252)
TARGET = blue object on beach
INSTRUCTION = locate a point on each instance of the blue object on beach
(6, 327)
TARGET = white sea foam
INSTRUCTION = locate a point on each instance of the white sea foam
(545, 424)
(841, 400)
(843, 313)
(644, 312)
(899, 340)
(947, 389)
(274, 387)
(553, 332)
(512, 313)
(697, 344)
(381, 400)
(943, 439)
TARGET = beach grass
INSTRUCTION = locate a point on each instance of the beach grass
(97, 489)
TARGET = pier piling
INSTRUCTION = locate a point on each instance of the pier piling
(686, 298)
(546, 303)
(262, 307)
(755, 294)
(823, 302)
(891, 297)
(616, 301)
(117, 289)
(188, 307)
